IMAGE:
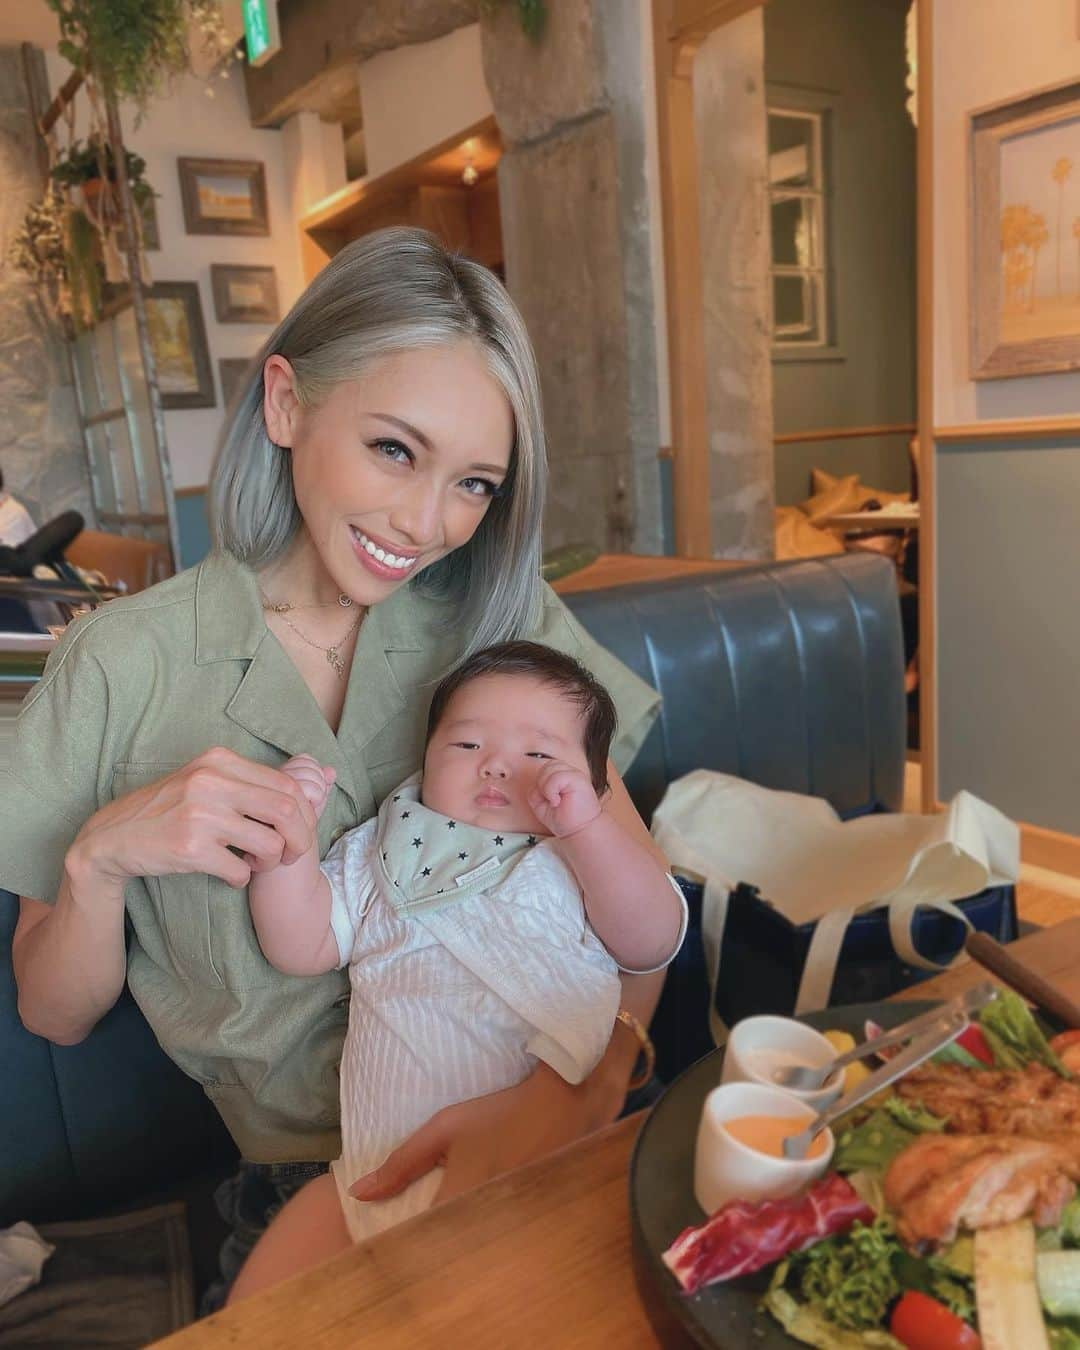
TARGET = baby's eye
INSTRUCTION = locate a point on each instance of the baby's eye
(536, 754)
(464, 745)
(394, 450)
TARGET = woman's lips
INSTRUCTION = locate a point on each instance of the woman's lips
(391, 566)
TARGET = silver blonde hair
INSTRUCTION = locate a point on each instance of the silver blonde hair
(392, 291)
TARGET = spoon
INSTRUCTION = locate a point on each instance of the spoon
(807, 1078)
(950, 1023)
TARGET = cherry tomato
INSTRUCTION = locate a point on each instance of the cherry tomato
(975, 1043)
(922, 1323)
(1067, 1048)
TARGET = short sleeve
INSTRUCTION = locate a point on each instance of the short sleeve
(347, 869)
(637, 703)
(49, 782)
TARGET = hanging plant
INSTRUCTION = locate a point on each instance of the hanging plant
(91, 165)
(58, 249)
(531, 13)
(136, 47)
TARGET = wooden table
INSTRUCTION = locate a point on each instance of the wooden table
(619, 569)
(873, 522)
(537, 1258)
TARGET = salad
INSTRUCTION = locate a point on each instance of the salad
(950, 1218)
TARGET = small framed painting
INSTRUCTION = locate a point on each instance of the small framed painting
(244, 294)
(1025, 235)
(178, 336)
(224, 196)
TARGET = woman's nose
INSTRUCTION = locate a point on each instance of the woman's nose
(416, 514)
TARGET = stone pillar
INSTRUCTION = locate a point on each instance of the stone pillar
(576, 239)
(729, 105)
(41, 448)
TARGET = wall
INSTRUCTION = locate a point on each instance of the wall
(419, 95)
(849, 54)
(187, 122)
(41, 452)
(1008, 549)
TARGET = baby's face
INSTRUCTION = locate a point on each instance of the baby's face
(497, 735)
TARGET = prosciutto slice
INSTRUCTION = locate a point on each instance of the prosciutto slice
(741, 1238)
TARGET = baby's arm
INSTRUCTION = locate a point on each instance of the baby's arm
(290, 905)
(630, 900)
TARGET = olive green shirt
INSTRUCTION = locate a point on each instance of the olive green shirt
(140, 687)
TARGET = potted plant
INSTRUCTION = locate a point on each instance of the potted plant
(90, 166)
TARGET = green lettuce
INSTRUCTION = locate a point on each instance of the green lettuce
(1014, 1036)
(887, 1131)
(1063, 1333)
(809, 1325)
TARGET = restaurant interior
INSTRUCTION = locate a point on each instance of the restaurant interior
(802, 278)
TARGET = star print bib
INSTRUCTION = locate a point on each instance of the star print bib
(425, 860)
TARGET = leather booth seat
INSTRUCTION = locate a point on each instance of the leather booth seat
(790, 675)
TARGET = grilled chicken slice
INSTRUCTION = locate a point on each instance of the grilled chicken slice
(942, 1183)
(1032, 1101)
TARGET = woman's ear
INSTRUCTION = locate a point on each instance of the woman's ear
(281, 405)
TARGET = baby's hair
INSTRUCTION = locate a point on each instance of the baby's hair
(551, 667)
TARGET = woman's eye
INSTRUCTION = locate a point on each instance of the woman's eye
(481, 487)
(401, 454)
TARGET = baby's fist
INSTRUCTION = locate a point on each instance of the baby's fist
(563, 799)
(313, 779)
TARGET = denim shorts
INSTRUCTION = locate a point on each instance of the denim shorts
(247, 1201)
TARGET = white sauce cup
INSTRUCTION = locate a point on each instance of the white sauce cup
(725, 1169)
(758, 1045)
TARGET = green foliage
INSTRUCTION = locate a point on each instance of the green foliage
(532, 13)
(82, 163)
(134, 47)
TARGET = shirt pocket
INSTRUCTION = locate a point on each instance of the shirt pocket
(206, 923)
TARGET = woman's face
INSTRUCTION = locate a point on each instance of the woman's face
(396, 469)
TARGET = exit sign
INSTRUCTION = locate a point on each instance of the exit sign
(261, 30)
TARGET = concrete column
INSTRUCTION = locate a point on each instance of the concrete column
(41, 448)
(729, 101)
(575, 220)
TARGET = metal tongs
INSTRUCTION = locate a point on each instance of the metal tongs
(803, 1078)
(931, 1031)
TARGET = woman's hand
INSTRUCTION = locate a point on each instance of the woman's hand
(191, 820)
(480, 1139)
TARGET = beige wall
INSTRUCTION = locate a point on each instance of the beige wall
(416, 96)
(986, 51)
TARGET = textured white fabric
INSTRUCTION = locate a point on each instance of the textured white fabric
(456, 1003)
(16, 523)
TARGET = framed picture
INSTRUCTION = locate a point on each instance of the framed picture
(224, 196)
(178, 335)
(1025, 235)
(231, 370)
(244, 294)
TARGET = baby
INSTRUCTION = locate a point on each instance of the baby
(459, 911)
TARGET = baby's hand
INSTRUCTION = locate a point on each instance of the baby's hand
(314, 779)
(564, 800)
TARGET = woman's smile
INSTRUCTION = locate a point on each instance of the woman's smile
(379, 558)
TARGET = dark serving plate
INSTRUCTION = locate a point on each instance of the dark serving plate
(662, 1204)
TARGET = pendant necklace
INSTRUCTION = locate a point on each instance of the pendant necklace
(332, 653)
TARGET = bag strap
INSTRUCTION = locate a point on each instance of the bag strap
(823, 954)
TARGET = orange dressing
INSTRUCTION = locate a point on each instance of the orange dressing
(766, 1134)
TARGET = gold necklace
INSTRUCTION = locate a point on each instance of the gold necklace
(345, 601)
(332, 653)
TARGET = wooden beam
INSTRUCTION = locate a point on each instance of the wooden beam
(1018, 429)
(844, 433)
(924, 339)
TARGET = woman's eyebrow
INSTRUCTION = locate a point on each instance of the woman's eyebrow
(417, 434)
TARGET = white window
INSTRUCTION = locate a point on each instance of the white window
(797, 221)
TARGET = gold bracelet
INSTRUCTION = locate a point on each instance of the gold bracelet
(648, 1050)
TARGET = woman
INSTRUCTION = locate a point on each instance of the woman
(376, 506)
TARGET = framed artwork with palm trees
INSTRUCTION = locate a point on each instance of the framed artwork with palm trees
(1025, 235)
